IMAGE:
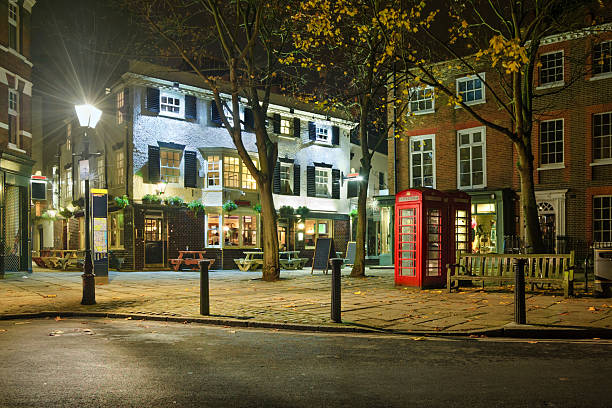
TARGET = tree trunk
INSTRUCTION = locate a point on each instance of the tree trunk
(271, 266)
(529, 207)
(362, 220)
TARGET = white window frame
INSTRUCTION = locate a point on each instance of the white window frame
(175, 97)
(328, 183)
(121, 106)
(433, 149)
(323, 133)
(606, 160)
(555, 165)
(178, 167)
(286, 126)
(601, 219)
(13, 110)
(544, 85)
(230, 118)
(13, 8)
(415, 93)
(604, 74)
(289, 179)
(218, 171)
(247, 181)
(119, 167)
(220, 230)
(467, 78)
(483, 143)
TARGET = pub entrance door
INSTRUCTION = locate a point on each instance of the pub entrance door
(154, 235)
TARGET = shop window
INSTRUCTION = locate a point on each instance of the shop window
(231, 171)
(422, 161)
(248, 181)
(213, 175)
(484, 228)
(385, 230)
(461, 232)
(551, 68)
(602, 219)
(249, 230)
(314, 229)
(231, 230)
(286, 178)
(170, 165)
(115, 221)
(602, 58)
(212, 228)
(323, 182)
(551, 142)
(602, 136)
(472, 158)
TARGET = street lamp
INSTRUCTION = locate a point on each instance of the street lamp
(88, 118)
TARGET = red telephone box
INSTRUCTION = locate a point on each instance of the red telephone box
(430, 227)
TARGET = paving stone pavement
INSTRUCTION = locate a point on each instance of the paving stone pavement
(300, 297)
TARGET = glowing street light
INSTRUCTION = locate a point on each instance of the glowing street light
(88, 115)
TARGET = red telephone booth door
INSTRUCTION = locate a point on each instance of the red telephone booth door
(407, 252)
(433, 269)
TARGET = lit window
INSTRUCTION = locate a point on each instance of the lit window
(322, 182)
(120, 107)
(286, 178)
(212, 228)
(231, 171)
(422, 100)
(285, 127)
(422, 161)
(551, 69)
(248, 181)
(116, 229)
(13, 16)
(551, 142)
(322, 133)
(13, 117)
(602, 136)
(68, 184)
(602, 58)
(213, 175)
(231, 230)
(471, 158)
(314, 229)
(471, 89)
(68, 136)
(119, 167)
(249, 230)
(602, 219)
(170, 165)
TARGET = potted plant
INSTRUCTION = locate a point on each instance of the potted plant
(151, 199)
(196, 207)
(286, 212)
(303, 212)
(175, 201)
(122, 202)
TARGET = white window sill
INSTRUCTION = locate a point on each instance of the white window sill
(425, 112)
(213, 188)
(605, 75)
(555, 166)
(170, 115)
(471, 103)
(17, 54)
(603, 162)
(12, 146)
(551, 85)
(285, 136)
(472, 187)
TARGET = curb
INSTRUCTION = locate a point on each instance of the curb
(510, 330)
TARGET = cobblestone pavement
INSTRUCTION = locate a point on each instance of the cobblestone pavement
(299, 297)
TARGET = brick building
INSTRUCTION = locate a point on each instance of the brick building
(444, 147)
(15, 134)
(160, 137)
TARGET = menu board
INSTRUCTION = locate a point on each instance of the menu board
(99, 200)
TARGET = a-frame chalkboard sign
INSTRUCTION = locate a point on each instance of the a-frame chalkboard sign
(351, 249)
(324, 251)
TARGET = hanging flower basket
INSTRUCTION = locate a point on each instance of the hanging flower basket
(196, 207)
(229, 206)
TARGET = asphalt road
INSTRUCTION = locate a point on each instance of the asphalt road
(130, 363)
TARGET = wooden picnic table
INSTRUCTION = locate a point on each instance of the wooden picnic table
(189, 258)
(291, 260)
(251, 260)
(55, 258)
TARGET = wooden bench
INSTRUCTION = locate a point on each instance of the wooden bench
(295, 263)
(498, 268)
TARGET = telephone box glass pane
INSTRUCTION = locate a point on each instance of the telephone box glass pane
(407, 242)
(461, 231)
(434, 240)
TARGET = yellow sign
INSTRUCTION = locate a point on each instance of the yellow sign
(99, 191)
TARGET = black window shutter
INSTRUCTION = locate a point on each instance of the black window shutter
(352, 189)
(191, 111)
(249, 122)
(312, 131)
(154, 171)
(191, 169)
(311, 190)
(276, 122)
(296, 127)
(152, 101)
(335, 183)
(215, 117)
(276, 187)
(335, 135)
(296, 179)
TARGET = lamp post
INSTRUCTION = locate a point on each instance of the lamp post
(88, 118)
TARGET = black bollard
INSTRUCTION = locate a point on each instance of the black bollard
(204, 288)
(519, 291)
(335, 295)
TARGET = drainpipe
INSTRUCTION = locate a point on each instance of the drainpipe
(394, 138)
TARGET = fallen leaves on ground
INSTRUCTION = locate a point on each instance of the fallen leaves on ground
(49, 296)
(2, 330)
(418, 338)
(593, 309)
(56, 333)
(22, 322)
(57, 318)
(357, 293)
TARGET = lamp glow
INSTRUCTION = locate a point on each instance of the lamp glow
(88, 115)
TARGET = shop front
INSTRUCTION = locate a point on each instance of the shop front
(386, 206)
(492, 217)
